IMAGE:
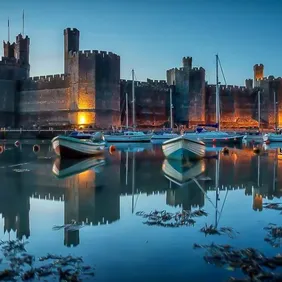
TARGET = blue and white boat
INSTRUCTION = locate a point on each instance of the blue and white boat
(183, 149)
(164, 135)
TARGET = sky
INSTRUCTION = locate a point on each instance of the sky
(152, 36)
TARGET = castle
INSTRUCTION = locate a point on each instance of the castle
(90, 93)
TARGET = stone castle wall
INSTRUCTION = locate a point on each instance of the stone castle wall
(151, 102)
(44, 100)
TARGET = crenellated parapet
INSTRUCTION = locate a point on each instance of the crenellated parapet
(93, 53)
(46, 82)
(9, 61)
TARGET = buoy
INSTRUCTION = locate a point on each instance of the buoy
(36, 148)
(256, 150)
(1, 149)
(112, 148)
(17, 143)
(225, 151)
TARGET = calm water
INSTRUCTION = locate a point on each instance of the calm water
(122, 248)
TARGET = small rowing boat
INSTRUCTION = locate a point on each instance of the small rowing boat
(69, 147)
(184, 149)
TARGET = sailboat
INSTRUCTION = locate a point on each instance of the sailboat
(218, 136)
(273, 137)
(128, 135)
(166, 135)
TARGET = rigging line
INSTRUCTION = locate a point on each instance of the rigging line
(222, 206)
(201, 188)
(222, 71)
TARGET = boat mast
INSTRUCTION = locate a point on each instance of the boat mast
(126, 109)
(171, 107)
(133, 100)
(259, 109)
(217, 167)
(133, 180)
(217, 110)
(274, 111)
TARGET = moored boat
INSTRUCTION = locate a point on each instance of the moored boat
(164, 136)
(63, 168)
(129, 136)
(272, 137)
(182, 173)
(81, 135)
(69, 147)
(183, 149)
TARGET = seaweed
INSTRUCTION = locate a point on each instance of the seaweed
(22, 265)
(212, 230)
(166, 219)
(253, 264)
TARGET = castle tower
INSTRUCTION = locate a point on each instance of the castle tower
(187, 62)
(258, 74)
(9, 49)
(71, 44)
(22, 52)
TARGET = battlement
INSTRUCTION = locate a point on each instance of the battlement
(271, 78)
(44, 78)
(195, 69)
(73, 30)
(227, 87)
(258, 66)
(92, 53)
(9, 61)
(21, 38)
(45, 82)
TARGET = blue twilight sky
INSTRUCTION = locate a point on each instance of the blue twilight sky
(152, 36)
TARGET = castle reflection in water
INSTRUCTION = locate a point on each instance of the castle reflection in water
(93, 196)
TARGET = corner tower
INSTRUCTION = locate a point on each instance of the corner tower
(22, 53)
(71, 44)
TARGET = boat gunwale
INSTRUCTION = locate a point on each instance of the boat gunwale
(181, 138)
(78, 141)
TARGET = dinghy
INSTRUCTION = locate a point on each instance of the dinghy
(69, 147)
(184, 149)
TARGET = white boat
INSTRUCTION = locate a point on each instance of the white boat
(272, 137)
(129, 136)
(164, 136)
(182, 173)
(81, 135)
(216, 137)
(68, 147)
(183, 149)
(63, 168)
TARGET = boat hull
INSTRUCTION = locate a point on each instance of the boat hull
(272, 137)
(68, 147)
(164, 136)
(127, 139)
(221, 138)
(183, 149)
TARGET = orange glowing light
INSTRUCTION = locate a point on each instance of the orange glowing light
(82, 120)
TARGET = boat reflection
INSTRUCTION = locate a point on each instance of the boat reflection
(63, 168)
(182, 173)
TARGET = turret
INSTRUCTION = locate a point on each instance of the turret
(187, 62)
(22, 52)
(71, 44)
(9, 49)
(258, 74)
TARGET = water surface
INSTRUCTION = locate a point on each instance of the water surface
(106, 198)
